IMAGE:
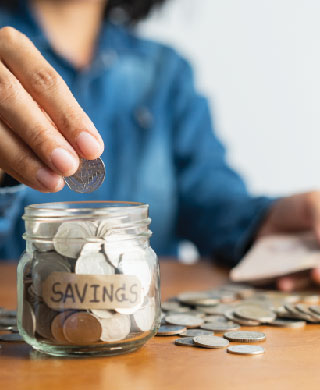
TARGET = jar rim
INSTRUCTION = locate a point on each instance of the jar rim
(96, 205)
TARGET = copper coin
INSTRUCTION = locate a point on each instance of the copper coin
(57, 326)
(82, 329)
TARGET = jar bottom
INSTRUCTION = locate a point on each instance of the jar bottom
(106, 349)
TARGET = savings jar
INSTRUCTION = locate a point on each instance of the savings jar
(88, 282)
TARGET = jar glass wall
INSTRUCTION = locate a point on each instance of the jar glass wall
(88, 282)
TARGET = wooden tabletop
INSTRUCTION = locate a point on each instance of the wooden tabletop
(291, 361)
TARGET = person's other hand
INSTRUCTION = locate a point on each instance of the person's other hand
(43, 129)
(296, 213)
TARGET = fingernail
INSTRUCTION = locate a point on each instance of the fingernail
(89, 146)
(50, 180)
(64, 161)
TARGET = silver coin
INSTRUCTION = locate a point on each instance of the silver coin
(196, 332)
(11, 337)
(287, 324)
(170, 330)
(187, 341)
(198, 298)
(245, 336)
(211, 341)
(185, 320)
(246, 350)
(220, 326)
(230, 316)
(89, 176)
(7, 313)
(8, 321)
(255, 313)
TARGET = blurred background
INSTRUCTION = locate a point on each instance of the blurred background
(258, 61)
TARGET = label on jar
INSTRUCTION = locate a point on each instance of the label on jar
(63, 290)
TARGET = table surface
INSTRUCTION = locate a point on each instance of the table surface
(290, 362)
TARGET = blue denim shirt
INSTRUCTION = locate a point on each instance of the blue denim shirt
(160, 146)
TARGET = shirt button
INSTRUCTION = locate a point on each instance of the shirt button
(144, 117)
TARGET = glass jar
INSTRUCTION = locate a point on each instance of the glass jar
(88, 282)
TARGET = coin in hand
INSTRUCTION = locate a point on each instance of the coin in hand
(89, 176)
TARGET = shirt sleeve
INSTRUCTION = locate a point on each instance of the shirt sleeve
(215, 209)
(11, 199)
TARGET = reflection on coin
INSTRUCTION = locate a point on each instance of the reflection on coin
(115, 328)
(185, 320)
(187, 341)
(11, 337)
(245, 350)
(245, 336)
(211, 341)
(57, 326)
(196, 332)
(220, 326)
(82, 329)
(89, 176)
(170, 330)
(288, 324)
(71, 236)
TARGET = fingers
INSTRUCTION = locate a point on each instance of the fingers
(50, 91)
(293, 283)
(21, 163)
(315, 275)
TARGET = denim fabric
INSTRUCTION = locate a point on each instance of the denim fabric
(160, 146)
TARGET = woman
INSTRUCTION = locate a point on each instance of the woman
(160, 147)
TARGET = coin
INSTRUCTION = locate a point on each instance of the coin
(44, 317)
(8, 313)
(185, 320)
(44, 264)
(8, 321)
(287, 324)
(11, 337)
(211, 341)
(315, 309)
(196, 332)
(187, 341)
(245, 350)
(255, 313)
(245, 336)
(28, 319)
(198, 298)
(89, 176)
(71, 236)
(115, 328)
(144, 317)
(230, 316)
(172, 306)
(220, 326)
(93, 264)
(57, 326)
(170, 330)
(82, 329)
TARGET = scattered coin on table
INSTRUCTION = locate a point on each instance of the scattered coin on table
(11, 337)
(245, 336)
(248, 350)
(206, 341)
(184, 319)
(196, 332)
(185, 342)
(220, 327)
(171, 330)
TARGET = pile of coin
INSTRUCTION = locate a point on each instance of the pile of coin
(92, 249)
(8, 323)
(198, 316)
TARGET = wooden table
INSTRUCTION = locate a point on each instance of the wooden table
(291, 361)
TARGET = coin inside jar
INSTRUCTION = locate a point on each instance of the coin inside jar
(57, 326)
(82, 329)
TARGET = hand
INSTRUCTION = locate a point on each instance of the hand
(296, 213)
(43, 130)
